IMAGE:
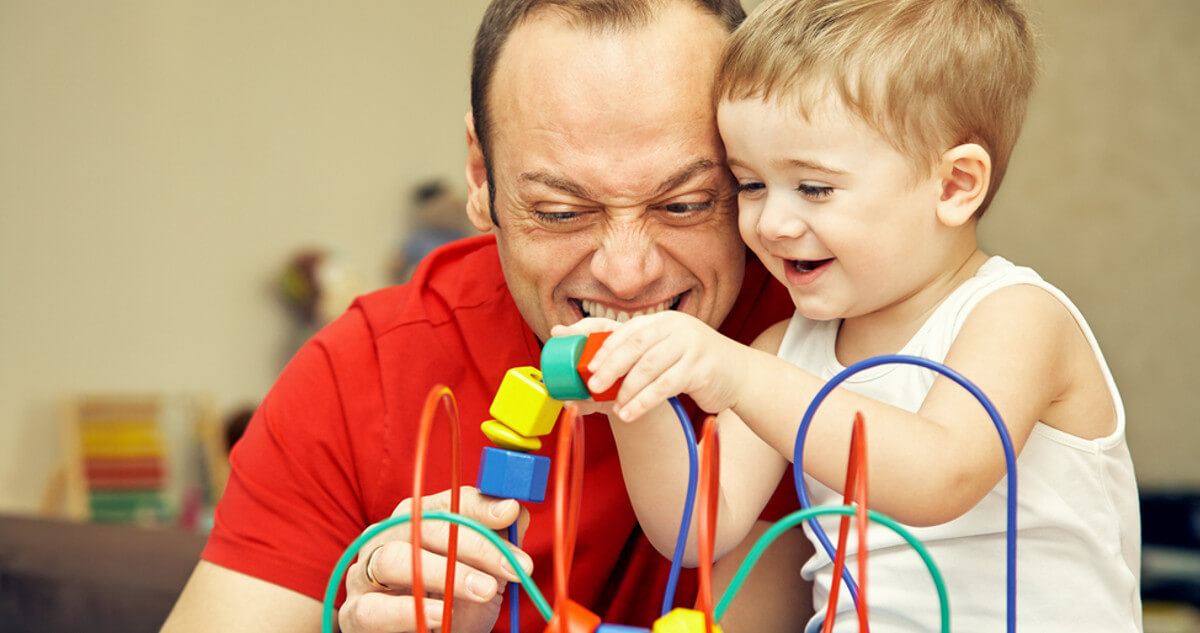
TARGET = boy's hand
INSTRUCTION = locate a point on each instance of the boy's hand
(663, 355)
(589, 325)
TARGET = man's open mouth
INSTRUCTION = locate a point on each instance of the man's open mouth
(591, 308)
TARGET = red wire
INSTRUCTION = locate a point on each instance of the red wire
(439, 392)
(856, 490)
(569, 454)
(710, 472)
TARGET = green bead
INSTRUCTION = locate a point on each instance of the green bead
(559, 357)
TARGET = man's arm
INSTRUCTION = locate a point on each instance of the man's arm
(220, 599)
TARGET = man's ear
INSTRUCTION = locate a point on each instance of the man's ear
(965, 171)
(478, 201)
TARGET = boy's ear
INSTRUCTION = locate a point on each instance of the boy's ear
(965, 171)
(478, 202)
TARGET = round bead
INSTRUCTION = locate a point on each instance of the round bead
(559, 357)
(505, 437)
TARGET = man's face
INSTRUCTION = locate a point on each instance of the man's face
(611, 190)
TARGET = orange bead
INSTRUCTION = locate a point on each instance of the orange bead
(577, 620)
(594, 341)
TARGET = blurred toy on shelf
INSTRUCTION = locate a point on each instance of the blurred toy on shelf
(316, 286)
(435, 215)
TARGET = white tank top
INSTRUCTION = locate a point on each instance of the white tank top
(1078, 546)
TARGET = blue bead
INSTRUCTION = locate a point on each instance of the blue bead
(620, 628)
(513, 475)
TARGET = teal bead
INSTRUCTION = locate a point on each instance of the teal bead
(559, 357)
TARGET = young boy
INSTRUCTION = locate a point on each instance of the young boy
(867, 137)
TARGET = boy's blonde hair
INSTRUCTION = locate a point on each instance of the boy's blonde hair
(926, 74)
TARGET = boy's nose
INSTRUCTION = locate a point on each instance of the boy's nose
(628, 261)
(780, 220)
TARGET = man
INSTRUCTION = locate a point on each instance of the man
(595, 165)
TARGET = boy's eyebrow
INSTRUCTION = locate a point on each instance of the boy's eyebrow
(566, 185)
(795, 163)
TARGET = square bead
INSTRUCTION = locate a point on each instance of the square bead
(513, 475)
(523, 404)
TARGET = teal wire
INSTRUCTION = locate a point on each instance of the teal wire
(800, 516)
(351, 552)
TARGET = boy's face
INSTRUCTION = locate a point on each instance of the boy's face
(834, 211)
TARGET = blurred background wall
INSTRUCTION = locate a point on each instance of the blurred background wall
(160, 161)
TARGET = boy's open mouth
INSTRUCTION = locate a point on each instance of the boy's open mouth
(808, 265)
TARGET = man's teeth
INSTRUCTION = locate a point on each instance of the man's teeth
(594, 309)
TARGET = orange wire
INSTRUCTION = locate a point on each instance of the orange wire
(569, 454)
(861, 519)
(710, 472)
(439, 392)
(856, 490)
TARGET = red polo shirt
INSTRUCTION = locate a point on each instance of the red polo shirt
(330, 449)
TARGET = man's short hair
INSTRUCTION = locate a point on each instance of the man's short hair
(503, 16)
(926, 74)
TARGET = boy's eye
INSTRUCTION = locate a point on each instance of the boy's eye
(815, 192)
(749, 187)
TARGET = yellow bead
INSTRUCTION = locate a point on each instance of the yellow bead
(681, 620)
(523, 404)
(505, 437)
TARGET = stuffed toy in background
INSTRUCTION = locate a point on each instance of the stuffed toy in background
(436, 215)
(315, 288)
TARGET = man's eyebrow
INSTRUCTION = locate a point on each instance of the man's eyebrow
(554, 181)
(566, 185)
(796, 163)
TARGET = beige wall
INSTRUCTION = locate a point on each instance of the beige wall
(160, 160)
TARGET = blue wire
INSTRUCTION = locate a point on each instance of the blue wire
(1010, 460)
(514, 588)
(681, 544)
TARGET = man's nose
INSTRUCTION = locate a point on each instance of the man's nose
(628, 260)
(779, 219)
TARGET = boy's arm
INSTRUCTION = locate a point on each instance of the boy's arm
(654, 464)
(926, 467)
(934, 465)
(774, 598)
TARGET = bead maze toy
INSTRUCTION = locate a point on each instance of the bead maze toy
(526, 407)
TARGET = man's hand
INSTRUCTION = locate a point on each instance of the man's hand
(481, 572)
(660, 356)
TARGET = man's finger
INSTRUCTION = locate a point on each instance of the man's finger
(380, 613)
(473, 549)
(493, 512)
(391, 565)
